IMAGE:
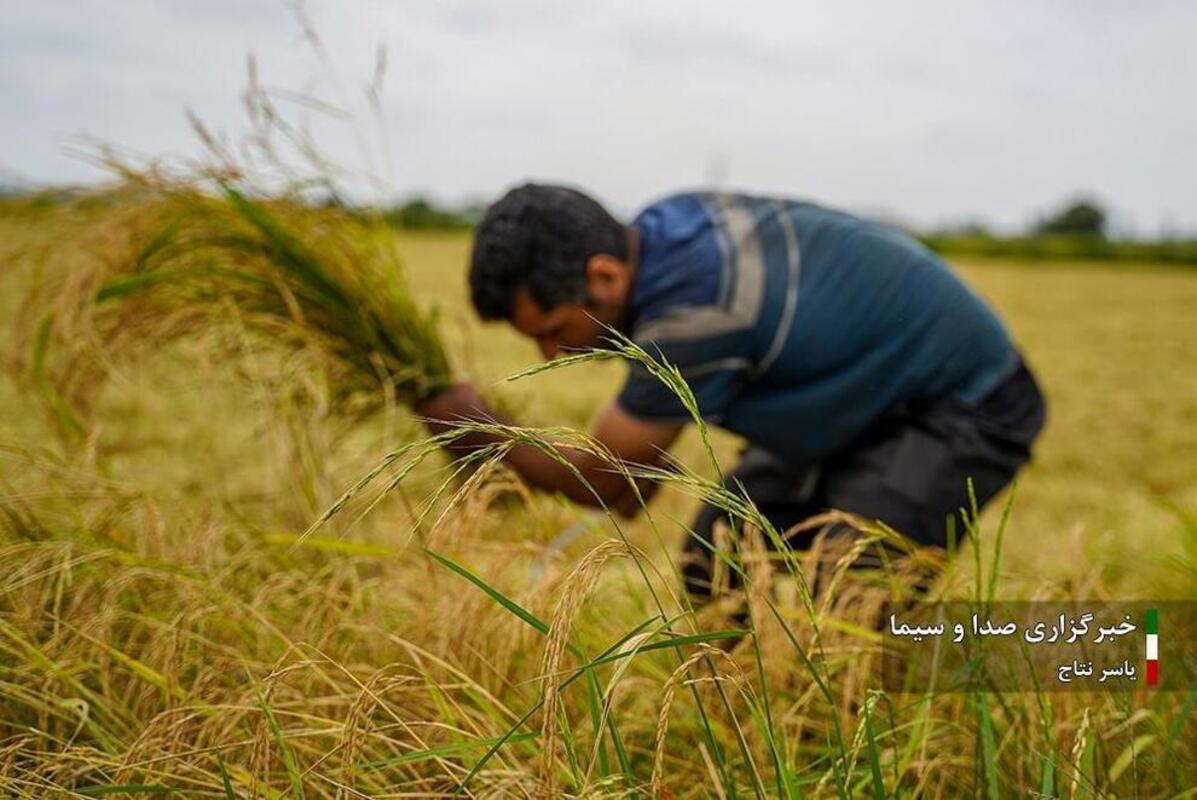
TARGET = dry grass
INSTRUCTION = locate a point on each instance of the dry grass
(167, 629)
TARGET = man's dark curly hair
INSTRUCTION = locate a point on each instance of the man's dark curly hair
(540, 237)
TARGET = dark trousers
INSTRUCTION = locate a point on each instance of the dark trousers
(910, 470)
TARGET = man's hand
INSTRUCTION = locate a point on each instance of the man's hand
(634, 441)
(630, 440)
(459, 402)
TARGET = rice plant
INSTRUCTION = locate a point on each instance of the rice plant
(163, 260)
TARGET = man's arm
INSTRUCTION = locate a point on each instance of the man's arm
(629, 439)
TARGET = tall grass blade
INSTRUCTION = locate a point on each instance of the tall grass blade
(285, 751)
(988, 748)
(226, 780)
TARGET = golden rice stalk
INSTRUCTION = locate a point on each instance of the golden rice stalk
(577, 587)
(156, 261)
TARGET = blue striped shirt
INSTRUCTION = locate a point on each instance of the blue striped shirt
(797, 326)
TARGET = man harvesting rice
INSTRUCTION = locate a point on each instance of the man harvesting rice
(864, 375)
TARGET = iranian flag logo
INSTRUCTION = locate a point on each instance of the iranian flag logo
(1153, 646)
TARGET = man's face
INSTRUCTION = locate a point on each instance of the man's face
(564, 328)
(576, 326)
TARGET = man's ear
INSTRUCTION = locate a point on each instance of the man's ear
(607, 279)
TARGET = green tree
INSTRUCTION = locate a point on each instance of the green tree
(421, 213)
(1079, 218)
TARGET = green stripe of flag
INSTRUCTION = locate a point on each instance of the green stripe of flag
(1153, 621)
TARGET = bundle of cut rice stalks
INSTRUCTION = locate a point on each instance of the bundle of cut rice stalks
(156, 261)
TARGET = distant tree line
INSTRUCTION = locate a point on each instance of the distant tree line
(423, 214)
(416, 213)
(1077, 230)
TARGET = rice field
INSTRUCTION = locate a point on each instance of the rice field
(173, 623)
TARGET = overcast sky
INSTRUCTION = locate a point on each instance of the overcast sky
(928, 112)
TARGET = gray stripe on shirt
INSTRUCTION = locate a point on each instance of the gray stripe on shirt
(794, 258)
(743, 311)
